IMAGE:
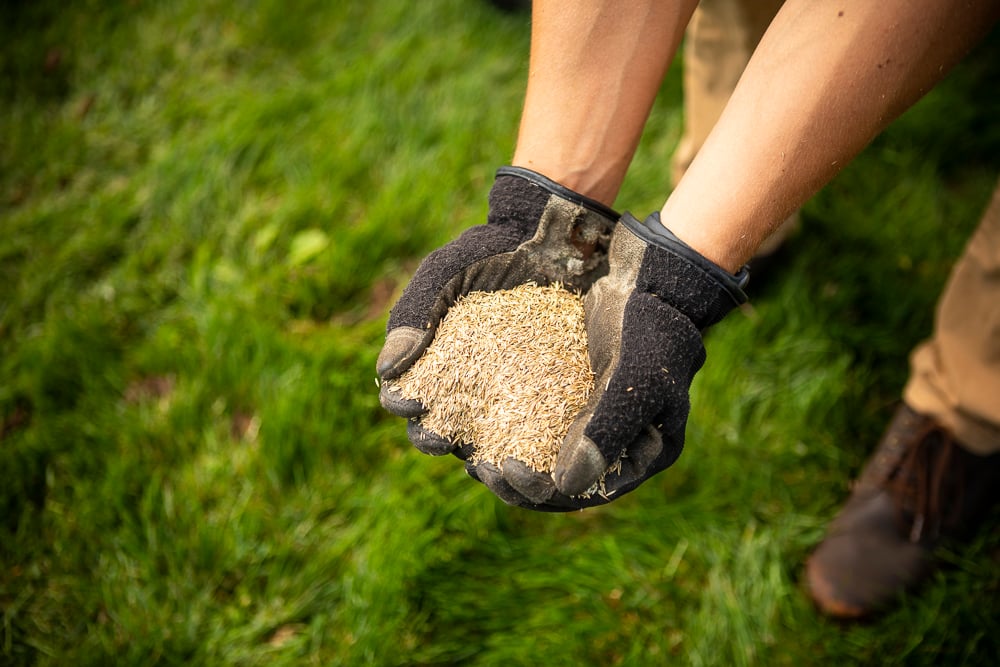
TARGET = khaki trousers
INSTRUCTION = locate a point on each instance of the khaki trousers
(954, 376)
(720, 39)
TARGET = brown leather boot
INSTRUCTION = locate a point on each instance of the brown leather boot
(918, 488)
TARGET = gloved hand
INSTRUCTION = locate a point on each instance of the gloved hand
(536, 230)
(644, 328)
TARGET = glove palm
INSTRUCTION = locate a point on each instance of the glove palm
(536, 231)
(644, 327)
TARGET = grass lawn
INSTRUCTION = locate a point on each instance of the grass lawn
(206, 209)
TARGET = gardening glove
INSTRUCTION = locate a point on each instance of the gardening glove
(536, 231)
(644, 321)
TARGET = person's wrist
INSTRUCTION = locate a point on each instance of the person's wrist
(559, 188)
(725, 253)
(594, 181)
(653, 230)
(679, 274)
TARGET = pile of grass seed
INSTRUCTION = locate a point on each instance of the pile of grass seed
(507, 372)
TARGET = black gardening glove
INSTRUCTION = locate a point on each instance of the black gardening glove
(536, 231)
(644, 334)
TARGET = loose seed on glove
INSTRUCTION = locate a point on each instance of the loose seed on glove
(507, 372)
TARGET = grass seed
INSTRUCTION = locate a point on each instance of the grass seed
(507, 372)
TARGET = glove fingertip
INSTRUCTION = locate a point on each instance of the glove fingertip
(403, 346)
(493, 478)
(579, 466)
(535, 486)
(392, 399)
(426, 441)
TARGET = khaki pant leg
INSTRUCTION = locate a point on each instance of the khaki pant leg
(955, 376)
(720, 39)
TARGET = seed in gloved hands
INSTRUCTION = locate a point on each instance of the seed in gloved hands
(507, 372)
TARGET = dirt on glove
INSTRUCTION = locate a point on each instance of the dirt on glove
(507, 372)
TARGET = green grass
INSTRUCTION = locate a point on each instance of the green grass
(205, 211)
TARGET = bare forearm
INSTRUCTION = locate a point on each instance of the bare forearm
(826, 78)
(596, 66)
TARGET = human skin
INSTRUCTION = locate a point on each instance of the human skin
(827, 77)
(595, 69)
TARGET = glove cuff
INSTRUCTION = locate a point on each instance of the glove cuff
(683, 277)
(554, 188)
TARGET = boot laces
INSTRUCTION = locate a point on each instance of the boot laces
(928, 483)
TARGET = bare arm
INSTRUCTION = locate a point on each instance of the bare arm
(595, 69)
(826, 78)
